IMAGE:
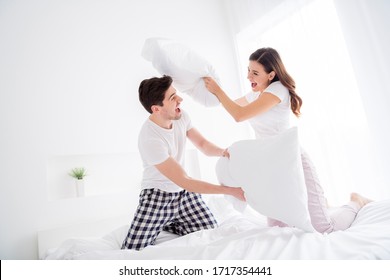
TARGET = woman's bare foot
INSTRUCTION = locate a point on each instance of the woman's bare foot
(361, 200)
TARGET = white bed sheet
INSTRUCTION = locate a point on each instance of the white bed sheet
(246, 236)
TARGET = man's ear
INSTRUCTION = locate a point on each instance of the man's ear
(155, 108)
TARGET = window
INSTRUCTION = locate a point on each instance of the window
(333, 126)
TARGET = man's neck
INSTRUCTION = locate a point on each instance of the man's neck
(167, 124)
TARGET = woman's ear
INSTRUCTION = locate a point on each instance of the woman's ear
(271, 75)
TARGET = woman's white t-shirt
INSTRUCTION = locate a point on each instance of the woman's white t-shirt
(277, 119)
(156, 144)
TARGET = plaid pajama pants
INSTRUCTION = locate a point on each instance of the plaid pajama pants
(179, 213)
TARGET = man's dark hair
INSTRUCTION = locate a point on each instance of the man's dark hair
(152, 91)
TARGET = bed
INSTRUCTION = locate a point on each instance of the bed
(239, 236)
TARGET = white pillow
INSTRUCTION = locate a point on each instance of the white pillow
(270, 172)
(184, 66)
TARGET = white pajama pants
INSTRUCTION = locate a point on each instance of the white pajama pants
(323, 220)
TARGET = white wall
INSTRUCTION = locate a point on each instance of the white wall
(69, 74)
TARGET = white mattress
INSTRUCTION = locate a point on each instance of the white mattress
(246, 236)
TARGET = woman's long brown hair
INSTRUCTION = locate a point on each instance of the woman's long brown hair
(271, 61)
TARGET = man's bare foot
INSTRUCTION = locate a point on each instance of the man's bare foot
(361, 200)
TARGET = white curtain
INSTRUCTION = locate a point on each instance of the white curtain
(365, 25)
(334, 127)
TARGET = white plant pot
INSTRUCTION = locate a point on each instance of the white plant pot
(80, 189)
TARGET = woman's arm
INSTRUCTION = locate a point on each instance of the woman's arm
(242, 111)
(242, 101)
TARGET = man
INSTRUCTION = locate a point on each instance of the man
(170, 200)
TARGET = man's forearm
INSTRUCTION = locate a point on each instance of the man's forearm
(210, 149)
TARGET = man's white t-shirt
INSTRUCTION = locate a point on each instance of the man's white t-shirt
(157, 144)
(277, 119)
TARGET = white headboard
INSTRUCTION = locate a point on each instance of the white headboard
(53, 237)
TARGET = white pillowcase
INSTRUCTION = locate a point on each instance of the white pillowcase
(184, 66)
(270, 172)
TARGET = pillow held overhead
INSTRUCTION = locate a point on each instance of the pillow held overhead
(186, 68)
(270, 172)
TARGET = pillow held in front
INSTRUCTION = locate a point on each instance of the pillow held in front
(270, 172)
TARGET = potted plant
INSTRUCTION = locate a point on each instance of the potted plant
(79, 173)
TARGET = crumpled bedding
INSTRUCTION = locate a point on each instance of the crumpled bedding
(246, 236)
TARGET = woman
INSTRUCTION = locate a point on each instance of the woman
(267, 108)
